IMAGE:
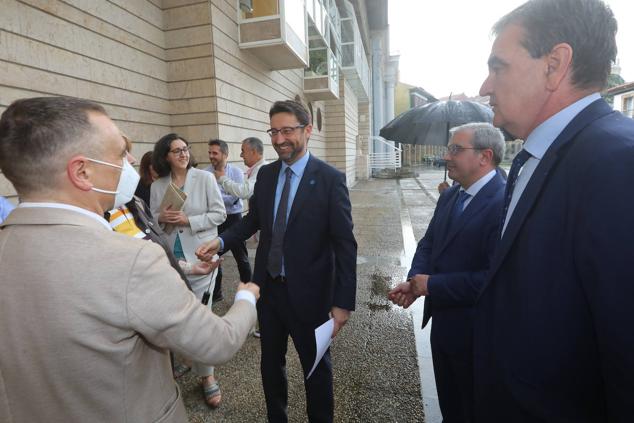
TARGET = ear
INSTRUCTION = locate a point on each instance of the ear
(486, 156)
(78, 173)
(559, 62)
(308, 130)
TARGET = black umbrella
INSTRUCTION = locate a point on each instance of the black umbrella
(429, 124)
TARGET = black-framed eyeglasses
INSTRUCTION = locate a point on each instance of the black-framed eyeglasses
(287, 130)
(179, 151)
(455, 149)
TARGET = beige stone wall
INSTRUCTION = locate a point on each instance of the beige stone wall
(245, 87)
(160, 66)
(190, 72)
(343, 128)
(110, 52)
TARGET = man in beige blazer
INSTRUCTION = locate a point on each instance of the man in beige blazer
(87, 315)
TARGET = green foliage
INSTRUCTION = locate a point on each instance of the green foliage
(613, 81)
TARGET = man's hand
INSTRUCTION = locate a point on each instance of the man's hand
(251, 287)
(207, 250)
(402, 295)
(442, 186)
(419, 285)
(204, 268)
(341, 316)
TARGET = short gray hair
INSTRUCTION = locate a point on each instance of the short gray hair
(485, 136)
(254, 144)
(39, 135)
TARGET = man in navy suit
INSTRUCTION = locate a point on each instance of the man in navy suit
(553, 325)
(452, 259)
(305, 262)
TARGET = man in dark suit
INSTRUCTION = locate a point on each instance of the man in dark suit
(553, 325)
(305, 261)
(452, 259)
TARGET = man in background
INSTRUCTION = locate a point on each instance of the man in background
(218, 156)
(253, 156)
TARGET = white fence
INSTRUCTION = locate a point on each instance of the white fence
(383, 155)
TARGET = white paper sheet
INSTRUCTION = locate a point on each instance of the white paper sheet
(323, 338)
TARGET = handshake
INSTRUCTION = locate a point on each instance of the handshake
(206, 253)
(407, 292)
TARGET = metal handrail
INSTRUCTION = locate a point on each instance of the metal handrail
(391, 159)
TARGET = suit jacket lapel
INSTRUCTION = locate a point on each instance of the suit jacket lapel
(269, 197)
(190, 179)
(537, 182)
(304, 189)
(443, 223)
(474, 207)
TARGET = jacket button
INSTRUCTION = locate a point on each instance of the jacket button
(180, 231)
(147, 231)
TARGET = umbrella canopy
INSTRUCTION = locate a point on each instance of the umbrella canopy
(429, 124)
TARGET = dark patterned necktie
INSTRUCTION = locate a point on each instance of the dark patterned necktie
(459, 205)
(518, 162)
(274, 264)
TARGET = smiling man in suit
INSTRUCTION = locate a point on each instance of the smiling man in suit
(553, 326)
(452, 259)
(305, 261)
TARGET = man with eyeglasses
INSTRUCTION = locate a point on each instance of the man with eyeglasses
(452, 259)
(305, 261)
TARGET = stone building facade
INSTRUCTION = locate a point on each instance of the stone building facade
(161, 66)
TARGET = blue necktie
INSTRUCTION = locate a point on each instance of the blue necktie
(518, 162)
(274, 264)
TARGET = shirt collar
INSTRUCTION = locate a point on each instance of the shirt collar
(479, 184)
(545, 134)
(63, 206)
(298, 167)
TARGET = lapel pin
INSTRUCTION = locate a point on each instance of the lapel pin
(312, 182)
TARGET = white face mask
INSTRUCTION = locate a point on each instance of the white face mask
(126, 187)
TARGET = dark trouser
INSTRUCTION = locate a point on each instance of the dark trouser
(278, 320)
(239, 252)
(454, 383)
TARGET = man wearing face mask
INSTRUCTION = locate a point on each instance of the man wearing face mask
(87, 316)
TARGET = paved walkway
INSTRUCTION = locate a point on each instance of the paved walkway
(379, 358)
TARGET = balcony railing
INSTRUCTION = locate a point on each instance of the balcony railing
(383, 155)
(321, 79)
(275, 31)
(354, 62)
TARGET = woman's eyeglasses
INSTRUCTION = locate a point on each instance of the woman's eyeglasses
(179, 151)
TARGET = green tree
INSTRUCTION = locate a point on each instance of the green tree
(613, 81)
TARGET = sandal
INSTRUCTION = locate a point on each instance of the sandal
(180, 369)
(212, 394)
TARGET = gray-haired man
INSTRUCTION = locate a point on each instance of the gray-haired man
(252, 154)
(452, 259)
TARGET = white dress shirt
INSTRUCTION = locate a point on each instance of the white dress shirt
(538, 143)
